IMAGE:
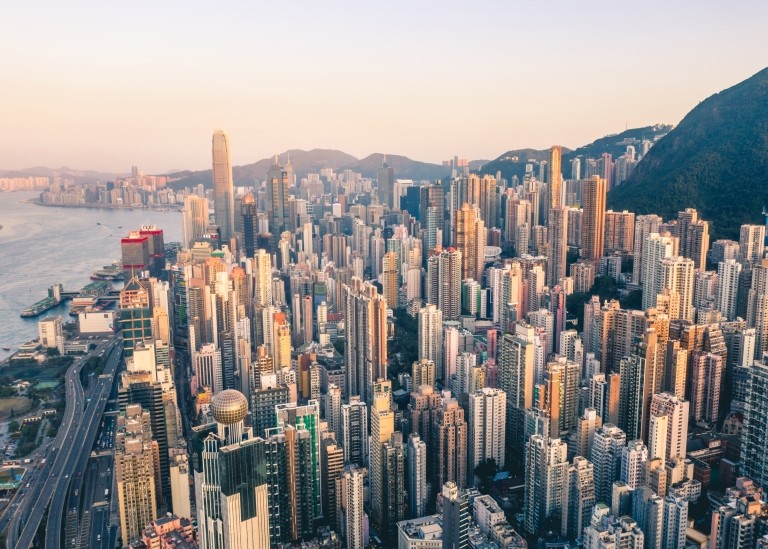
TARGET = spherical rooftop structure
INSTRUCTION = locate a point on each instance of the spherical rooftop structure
(248, 199)
(229, 407)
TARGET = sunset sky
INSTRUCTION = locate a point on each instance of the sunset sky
(106, 85)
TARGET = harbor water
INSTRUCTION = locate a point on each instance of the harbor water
(40, 246)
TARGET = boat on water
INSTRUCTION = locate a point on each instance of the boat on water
(109, 273)
(6, 348)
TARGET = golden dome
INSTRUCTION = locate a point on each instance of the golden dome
(248, 199)
(229, 407)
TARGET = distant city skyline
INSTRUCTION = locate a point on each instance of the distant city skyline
(107, 87)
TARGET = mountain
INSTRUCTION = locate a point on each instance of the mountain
(513, 162)
(80, 176)
(303, 162)
(404, 167)
(715, 160)
(615, 144)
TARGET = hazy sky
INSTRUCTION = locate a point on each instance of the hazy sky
(105, 85)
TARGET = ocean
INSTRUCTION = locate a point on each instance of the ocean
(40, 246)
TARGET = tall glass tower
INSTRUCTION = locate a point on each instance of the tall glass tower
(223, 186)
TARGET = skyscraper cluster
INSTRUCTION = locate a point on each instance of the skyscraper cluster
(368, 360)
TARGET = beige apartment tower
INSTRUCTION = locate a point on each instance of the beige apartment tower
(593, 219)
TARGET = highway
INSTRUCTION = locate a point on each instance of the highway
(81, 448)
(23, 518)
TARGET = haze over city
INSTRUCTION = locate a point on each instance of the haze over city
(106, 86)
(355, 276)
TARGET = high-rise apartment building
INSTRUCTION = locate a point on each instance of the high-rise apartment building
(223, 186)
(751, 244)
(354, 419)
(656, 248)
(450, 436)
(619, 232)
(365, 344)
(136, 469)
(728, 287)
(382, 427)
(390, 272)
(607, 447)
(578, 497)
(417, 476)
(351, 519)
(555, 177)
(546, 473)
(557, 248)
(676, 410)
(593, 219)
(487, 427)
(516, 374)
(754, 439)
(444, 282)
(644, 226)
(470, 240)
(694, 237)
(195, 218)
(430, 322)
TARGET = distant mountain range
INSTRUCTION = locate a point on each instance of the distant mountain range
(82, 176)
(303, 162)
(715, 160)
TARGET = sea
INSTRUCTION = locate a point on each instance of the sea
(41, 246)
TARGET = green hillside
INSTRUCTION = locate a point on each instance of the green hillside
(715, 160)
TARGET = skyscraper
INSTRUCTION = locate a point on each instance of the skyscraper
(365, 344)
(578, 497)
(644, 226)
(471, 240)
(391, 284)
(450, 439)
(455, 517)
(557, 249)
(516, 365)
(444, 282)
(234, 475)
(754, 439)
(278, 184)
(431, 338)
(751, 244)
(555, 177)
(349, 487)
(593, 219)
(354, 419)
(417, 476)
(728, 287)
(694, 237)
(249, 211)
(136, 464)
(223, 186)
(382, 427)
(195, 218)
(546, 473)
(487, 427)
(385, 183)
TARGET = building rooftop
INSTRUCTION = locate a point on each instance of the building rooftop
(428, 528)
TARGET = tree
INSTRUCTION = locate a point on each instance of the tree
(485, 471)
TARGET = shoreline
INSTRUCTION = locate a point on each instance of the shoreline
(97, 206)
